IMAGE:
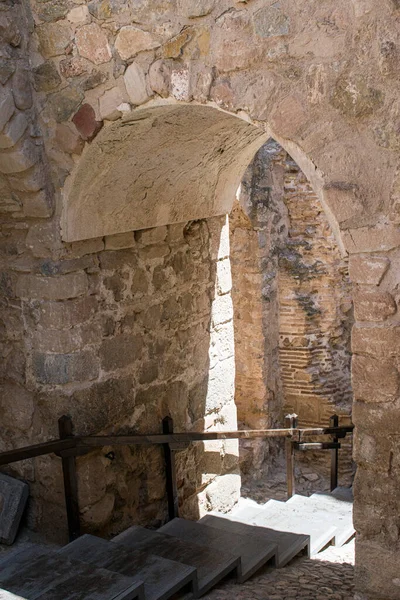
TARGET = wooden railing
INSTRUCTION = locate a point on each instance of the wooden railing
(69, 446)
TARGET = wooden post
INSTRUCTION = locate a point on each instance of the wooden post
(291, 421)
(65, 429)
(172, 490)
(334, 422)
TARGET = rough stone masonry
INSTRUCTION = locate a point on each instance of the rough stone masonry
(118, 117)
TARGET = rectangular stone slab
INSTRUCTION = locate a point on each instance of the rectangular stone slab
(289, 544)
(13, 498)
(324, 507)
(162, 577)
(37, 573)
(279, 516)
(253, 552)
(211, 565)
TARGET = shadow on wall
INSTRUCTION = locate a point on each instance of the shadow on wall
(151, 335)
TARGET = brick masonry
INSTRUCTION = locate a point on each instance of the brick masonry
(288, 270)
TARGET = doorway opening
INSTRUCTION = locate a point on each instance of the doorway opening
(292, 322)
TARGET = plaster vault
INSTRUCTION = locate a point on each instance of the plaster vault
(126, 129)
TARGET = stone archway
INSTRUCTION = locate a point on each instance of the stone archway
(320, 78)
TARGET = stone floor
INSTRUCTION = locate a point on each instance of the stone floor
(327, 576)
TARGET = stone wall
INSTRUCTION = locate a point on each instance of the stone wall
(320, 78)
(293, 310)
(119, 333)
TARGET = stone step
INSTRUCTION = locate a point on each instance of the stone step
(326, 507)
(212, 565)
(244, 505)
(162, 577)
(36, 573)
(279, 516)
(254, 552)
(289, 544)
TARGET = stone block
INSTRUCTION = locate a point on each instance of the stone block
(38, 205)
(371, 239)
(117, 259)
(13, 131)
(154, 235)
(180, 84)
(132, 40)
(66, 341)
(377, 574)
(6, 70)
(59, 315)
(376, 341)
(32, 181)
(46, 77)
(288, 116)
(373, 306)
(154, 252)
(54, 38)
(368, 269)
(173, 48)
(342, 200)
(52, 288)
(375, 380)
(22, 90)
(271, 21)
(195, 8)
(354, 97)
(68, 140)
(60, 369)
(73, 66)
(9, 32)
(120, 241)
(92, 44)
(109, 104)
(160, 77)
(17, 407)
(13, 498)
(120, 351)
(92, 246)
(65, 103)
(86, 123)
(7, 107)
(382, 419)
(135, 83)
(43, 238)
(175, 233)
(23, 156)
(79, 15)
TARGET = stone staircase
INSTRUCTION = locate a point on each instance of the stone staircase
(183, 558)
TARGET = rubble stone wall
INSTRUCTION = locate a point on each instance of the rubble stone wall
(320, 78)
(119, 333)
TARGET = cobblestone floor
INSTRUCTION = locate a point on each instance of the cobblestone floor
(327, 576)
